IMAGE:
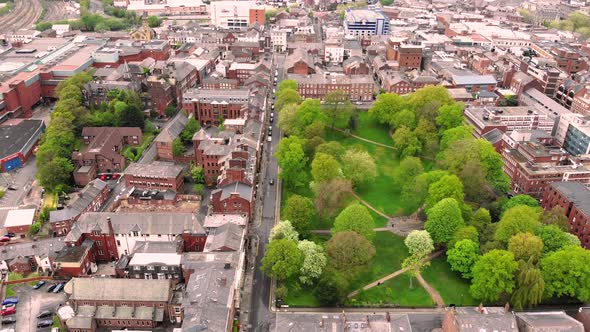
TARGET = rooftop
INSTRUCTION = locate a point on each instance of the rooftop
(368, 15)
(17, 135)
(79, 202)
(170, 258)
(133, 290)
(218, 219)
(22, 217)
(485, 319)
(557, 321)
(326, 322)
(157, 169)
(576, 193)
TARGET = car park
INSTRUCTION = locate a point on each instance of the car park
(8, 320)
(44, 323)
(51, 287)
(10, 300)
(9, 305)
(45, 313)
(59, 287)
(8, 311)
(39, 284)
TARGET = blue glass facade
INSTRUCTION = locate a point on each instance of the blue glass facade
(576, 142)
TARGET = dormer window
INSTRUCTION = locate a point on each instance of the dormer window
(95, 232)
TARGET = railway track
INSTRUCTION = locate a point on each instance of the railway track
(24, 15)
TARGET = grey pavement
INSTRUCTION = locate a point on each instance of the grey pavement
(31, 303)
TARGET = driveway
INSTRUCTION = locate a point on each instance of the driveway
(31, 303)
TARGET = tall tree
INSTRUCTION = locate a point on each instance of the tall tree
(453, 135)
(406, 142)
(314, 261)
(493, 276)
(292, 161)
(386, 106)
(408, 169)
(443, 220)
(556, 216)
(178, 148)
(348, 249)
(419, 243)
(463, 256)
(286, 97)
(282, 259)
(415, 192)
(449, 186)
(330, 196)
(356, 218)
(324, 168)
(337, 108)
(474, 181)
(529, 286)
(553, 238)
(567, 273)
(55, 174)
(480, 219)
(414, 264)
(405, 118)
(519, 219)
(526, 247)
(299, 211)
(429, 95)
(520, 200)
(359, 167)
(450, 116)
(284, 230)
(464, 233)
(192, 126)
(287, 84)
(332, 148)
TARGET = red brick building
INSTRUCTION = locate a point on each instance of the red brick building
(89, 199)
(569, 60)
(300, 62)
(407, 54)
(99, 240)
(234, 198)
(158, 175)
(581, 102)
(75, 261)
(574, 198)
(19, 221)
(355, 66)
(209, 106)
(256, 16)
(167, 136)
(21, 264)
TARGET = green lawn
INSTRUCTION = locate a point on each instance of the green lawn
(10, 291)
(300, 297)
(451, 286)
(394, 292)
(372, 130)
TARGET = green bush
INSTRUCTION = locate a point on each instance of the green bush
(1, 194)
(199, 188)
(35, 228)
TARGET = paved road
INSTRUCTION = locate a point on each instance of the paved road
(261, 317)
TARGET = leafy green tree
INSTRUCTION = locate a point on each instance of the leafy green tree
(419, 243)
(529, 286)
(197, 173)
(464, 233)
(493, 276)
(526, 247)
(359, 167)
(288, 121)
(330, 196)
(403, 118)
(292, 161)
(480, 219)
(357, 218)
(520, 200)
(199, 188)
(473, 177)
(324, 168)
(170, 110)
(314, 261)
(282, 259)
(337, 108)
(447, 186)
(455, 134)
(553, 238)
(348, 249)
(429, 95)
(406, 142)
(178, 148)
(55, 174)
(287, 85)
(284, 230)
(567, 273)
(463, 256)
(332, 148)
(386, 106)
(556, 216)
(519, 219)
(450, 116)
(300, 211)
(443, 220)
(408, 169)
(154, 21)
(286, 97)
(413, 265)
(331, 288)
(192, 126)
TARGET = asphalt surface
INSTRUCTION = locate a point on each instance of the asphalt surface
(261, 316)
(31, 303)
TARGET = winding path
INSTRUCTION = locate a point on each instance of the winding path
(366, 140)
(370, 206)
(434, 295)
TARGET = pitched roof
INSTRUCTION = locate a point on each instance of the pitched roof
(172, 129)
(474, 79)
(111, 289)
(80, 202)
(242, 189)
(227, 236)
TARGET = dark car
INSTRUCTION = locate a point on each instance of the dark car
(39, 284)
(45, 313)
(10, 300)
(59, 287)
(51, 288)
(45, 323)
(9, 320)
(9, 235)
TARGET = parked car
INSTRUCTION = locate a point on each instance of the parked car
(59, 287)
(269, 138)
(4, 239)
(9, 320)
(45, 313)
(359, 103)
(44, 323)
(8, 311)
(272, 181)
(51, 287)
(39, 284)
(10, 300)
(9, 235)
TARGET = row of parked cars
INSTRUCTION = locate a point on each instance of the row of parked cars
(45, 317)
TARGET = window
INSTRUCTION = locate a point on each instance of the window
(100, 252)
(150, 267)
(99, 243)
(135, 233)
(164, 268)
(136, 268)
(118, 243)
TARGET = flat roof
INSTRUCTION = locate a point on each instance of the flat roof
(20, 217)
(16, 134)
(157, 169)
(156, 259)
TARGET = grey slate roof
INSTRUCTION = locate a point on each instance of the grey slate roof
(474, 79)
(156, 169)
(557, 321)
(135, 290)
(228, 236)
(41, 248)
(15, 138)
(244, 190)
(470, 319)
(79, 203)
(172, 129)
(576, 193)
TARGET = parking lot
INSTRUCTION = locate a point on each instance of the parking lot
(31, 303)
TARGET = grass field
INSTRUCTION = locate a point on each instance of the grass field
(451, 286)
(372, 130)
(395, 292)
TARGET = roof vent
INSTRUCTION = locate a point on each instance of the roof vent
(227, 266)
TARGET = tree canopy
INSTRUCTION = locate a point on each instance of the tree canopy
(443, 220)
(348, 249)
(449, 186)
(463, 256)
(567, 273)
(526, 247)
(282, 259)
(324, 168)
(356, 218)
(292, 161)
(314, 261)
(284, 230)
(419, 243)
(519, 219)
(493, 276)
(359, 167)
(299, 211)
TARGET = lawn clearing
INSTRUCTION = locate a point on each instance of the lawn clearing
(451, 286)
(371, 129)
(395, 292)
(300, 297)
